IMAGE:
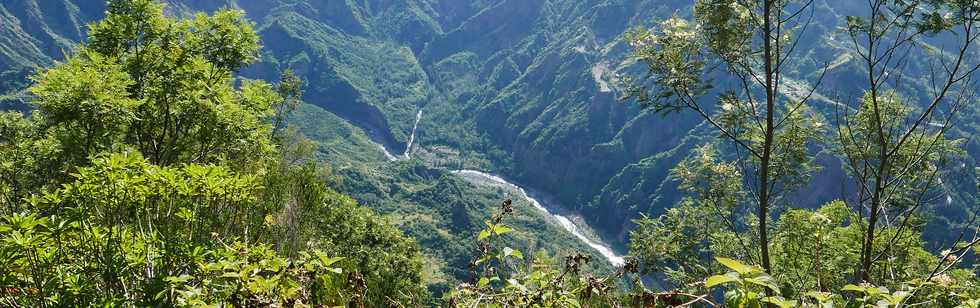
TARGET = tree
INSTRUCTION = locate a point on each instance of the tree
(290, 88)
(85, 104)
(146, 81)
(891, 143)
(814, 252)
(307, 214)
(710, 221)
(180, 70)
(150, 176)
(128, 231)
(29, 159)
(752, 42)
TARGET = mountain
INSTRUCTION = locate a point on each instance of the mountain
(523, 88)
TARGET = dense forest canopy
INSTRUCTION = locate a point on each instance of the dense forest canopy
(147, 176)
(503, 153)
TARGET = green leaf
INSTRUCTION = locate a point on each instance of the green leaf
(720, 279)
(779, 301)
(502, 229)
(327, 261)
(819, 296)
(178, 279)
(510, 252)
(898, 297)
(484, 259)
(493, 230)
(764, 281)
(231, 275)
(735, 265)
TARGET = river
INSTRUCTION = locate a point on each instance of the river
(483, 178)
(479, 177)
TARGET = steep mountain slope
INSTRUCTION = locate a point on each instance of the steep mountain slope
(442, 211)
(354, 68)
(33, 33)
(525, 88)
(544, 98)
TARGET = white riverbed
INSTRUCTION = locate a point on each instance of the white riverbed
(563, 221)
(480, 177)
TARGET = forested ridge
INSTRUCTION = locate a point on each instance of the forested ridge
(316, 153)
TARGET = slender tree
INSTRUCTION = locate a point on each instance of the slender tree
(290, 88)
(893, 144)
(749, 45)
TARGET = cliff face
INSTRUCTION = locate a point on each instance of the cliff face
(527, 88)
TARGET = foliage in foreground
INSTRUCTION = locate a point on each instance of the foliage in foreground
(148, 176)
(505, 277)
(127, 231)
(814, 254)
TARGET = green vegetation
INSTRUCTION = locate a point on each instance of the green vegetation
(442, 212)
(169, 159)
(888, 149)
(533, 96)
(94, 105)
(145, 177)
(503, 276)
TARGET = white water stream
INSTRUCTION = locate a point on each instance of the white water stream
(408, 146)
(411, 138)
(563, 221)
(384, 150)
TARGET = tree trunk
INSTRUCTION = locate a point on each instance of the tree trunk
(767, 145)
